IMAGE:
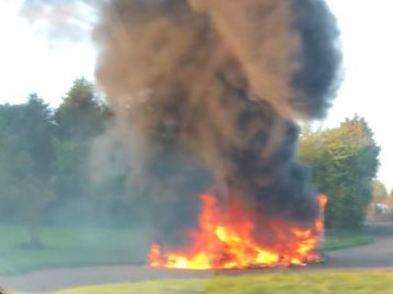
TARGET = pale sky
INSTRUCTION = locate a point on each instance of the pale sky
(30, 63)
(367, 39)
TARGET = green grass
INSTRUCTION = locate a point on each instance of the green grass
(70, 247)
(345, 240)
(273, 283)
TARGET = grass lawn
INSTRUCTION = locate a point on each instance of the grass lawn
(301, 282)
(71, 247)
(345, 240)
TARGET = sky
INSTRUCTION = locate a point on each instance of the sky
(30, 62)
(367, 39)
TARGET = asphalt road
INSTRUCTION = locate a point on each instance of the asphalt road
(377, 254)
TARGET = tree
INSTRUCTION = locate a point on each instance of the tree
(344, 162)
(79, 119)
(81, 116)
(379, 191)
(26, 161)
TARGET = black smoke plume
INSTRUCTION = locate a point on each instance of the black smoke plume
(224, 82)
(210, 91)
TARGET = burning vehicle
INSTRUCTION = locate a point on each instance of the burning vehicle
(226, 82)
(186, 146)
(226, 241)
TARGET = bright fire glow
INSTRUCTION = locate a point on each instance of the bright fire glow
(228, 241)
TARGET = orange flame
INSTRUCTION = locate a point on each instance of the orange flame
(222, 244)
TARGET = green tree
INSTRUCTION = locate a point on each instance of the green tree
(26, 162)
(81, 115)
(344, 162)
(79, 119)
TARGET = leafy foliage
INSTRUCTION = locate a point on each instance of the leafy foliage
(26, 162)
(79, 119)
(344, 162)
(44, 155)
(80, 116)
(379, 191)
(45, 175)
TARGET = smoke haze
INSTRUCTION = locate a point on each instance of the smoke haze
(216, 86)
(225, 81)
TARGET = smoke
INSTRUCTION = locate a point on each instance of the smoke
(216, 85)
(224, 81)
